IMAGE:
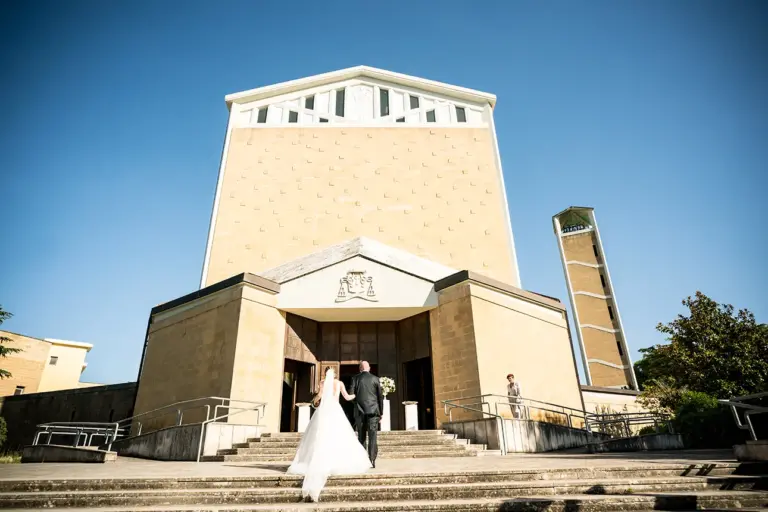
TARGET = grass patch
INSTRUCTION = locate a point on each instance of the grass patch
(10, 458)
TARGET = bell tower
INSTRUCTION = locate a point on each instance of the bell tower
(596, 313)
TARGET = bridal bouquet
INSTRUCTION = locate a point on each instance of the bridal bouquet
(387, 385)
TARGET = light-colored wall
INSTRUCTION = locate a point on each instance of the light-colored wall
(529, 340)
(287, 192)
(258, 366)
(27, 366)
(65, 374)
(455, 368)
(190, 354)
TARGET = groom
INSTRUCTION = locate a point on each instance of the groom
(369, 402)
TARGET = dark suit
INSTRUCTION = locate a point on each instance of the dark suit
(369, 402)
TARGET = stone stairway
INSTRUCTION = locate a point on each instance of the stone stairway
(627, 488)
(397, 444)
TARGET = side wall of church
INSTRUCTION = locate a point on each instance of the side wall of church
(527, 340)
(288, 191)
(190, 354)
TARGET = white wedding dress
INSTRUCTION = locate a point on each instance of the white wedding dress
(329, 446)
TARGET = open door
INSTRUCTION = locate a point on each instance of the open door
(298, 386)
(419, 388)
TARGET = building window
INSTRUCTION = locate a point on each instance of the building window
(610, 312)
(323, 120)
(621, 350)
(431, 116)
(293, 117)
(414, 102)
(594, 250)
(340, 103)
(19, 390)
(461, 115)
(262, 116)
(383, 102)
(54, 360)
(602, 280)
(400, 120)
(309, 103)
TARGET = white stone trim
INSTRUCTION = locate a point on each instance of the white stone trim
(505, 203)
(270, 91)
(362, 107)
(604, 329)
(606, 363)
(584, 264)
(219, 183)
(590, 294)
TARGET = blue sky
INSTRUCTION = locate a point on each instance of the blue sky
(653, 112)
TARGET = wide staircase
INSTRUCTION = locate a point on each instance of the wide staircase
(689, 486)
(397, 444)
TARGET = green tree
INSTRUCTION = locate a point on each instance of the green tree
(4, 350)
(712, 350)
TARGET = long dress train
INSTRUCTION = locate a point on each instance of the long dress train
(329, 446)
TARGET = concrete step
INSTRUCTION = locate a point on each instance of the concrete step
(384, 448)
(405, 454)
(386, 441)
(382, 493)
(689, 501)
(734, 471)
(395, 433)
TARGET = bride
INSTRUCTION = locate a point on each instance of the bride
(329, 446)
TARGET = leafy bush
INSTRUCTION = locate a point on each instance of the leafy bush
(661, 396)
(647, 430)
(704, 423)
(3, 431)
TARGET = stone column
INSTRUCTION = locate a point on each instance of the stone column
(303, 416)
(411, 415)
(386, 424)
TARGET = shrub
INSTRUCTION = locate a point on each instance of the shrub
(3, 431)
(704, 423)
(647, 430)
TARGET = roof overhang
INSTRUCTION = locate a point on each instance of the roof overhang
(360, 72)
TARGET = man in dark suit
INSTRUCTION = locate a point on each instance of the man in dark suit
(369, 402)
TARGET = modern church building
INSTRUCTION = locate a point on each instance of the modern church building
(359, 215)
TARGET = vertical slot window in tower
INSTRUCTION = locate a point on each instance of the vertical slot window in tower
(461, 115)
(594, 250)
(261, 117)
(340, 103)
(383, 102)
(618, 346)
(610, 312)
(602, 280)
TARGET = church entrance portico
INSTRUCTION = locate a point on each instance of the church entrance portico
(394, 349)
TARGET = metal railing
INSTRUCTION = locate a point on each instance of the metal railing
(521, 408)
(739, 402)
(112, 431)
(259, 407)
(450, 405)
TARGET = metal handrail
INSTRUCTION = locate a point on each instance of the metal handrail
(449, 403)
(260, 405)
(110, 431)
(737, 402)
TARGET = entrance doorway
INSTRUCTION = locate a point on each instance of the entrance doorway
(418, 388)
(298, 387)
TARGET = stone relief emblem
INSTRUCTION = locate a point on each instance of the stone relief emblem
(356, 285)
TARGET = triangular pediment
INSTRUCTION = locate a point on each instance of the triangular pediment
(358, 280)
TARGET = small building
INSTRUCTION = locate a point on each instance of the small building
(42, 365)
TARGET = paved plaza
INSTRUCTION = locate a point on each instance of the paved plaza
(138, 468)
